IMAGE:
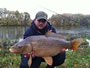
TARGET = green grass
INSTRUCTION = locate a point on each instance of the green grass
(78, 59)
(8, 60)
(74, 59)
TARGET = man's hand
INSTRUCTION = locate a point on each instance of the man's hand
(28, 55)
(63, 50)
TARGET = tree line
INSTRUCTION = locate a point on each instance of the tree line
(16, 18)
(70, 20)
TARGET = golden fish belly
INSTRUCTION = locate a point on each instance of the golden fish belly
(42, 52)
(47, 46)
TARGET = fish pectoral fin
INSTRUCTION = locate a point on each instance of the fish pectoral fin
(30, 61)
(48, 60)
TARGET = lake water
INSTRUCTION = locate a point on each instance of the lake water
(13, 32)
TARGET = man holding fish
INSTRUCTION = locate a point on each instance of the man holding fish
(40, 26)
(41, 43)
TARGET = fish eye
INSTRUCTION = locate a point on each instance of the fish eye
(19, 47)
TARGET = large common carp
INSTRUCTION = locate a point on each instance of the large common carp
(44, 46)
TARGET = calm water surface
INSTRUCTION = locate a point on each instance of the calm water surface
(13, 32)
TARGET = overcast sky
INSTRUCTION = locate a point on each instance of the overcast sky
(59, 6)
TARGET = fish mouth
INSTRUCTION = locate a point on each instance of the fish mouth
(11, 50)
(14, 51)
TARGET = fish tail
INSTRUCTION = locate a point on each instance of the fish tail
(76, 43)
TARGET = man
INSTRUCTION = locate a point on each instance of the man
(40, 26)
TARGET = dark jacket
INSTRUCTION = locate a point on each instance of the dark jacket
(33, 30)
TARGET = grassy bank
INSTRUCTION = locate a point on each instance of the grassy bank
(74, 59)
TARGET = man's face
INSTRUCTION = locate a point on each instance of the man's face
(40, 24)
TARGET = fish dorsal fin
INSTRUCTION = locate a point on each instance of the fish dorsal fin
(48, 60)
(48, 33)
(76, 43)
(30, 61)
(51, 34)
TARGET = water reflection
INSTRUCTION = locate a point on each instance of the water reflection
(73, 30)
(11, 32)
(17, 32)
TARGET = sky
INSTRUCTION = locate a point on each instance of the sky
(59, 6)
